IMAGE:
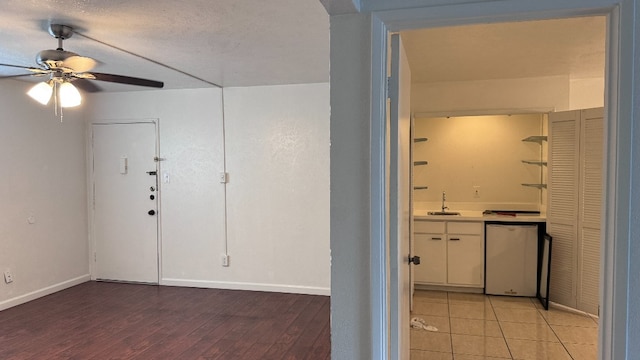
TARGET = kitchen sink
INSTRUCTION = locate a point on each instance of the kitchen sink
(443, 213)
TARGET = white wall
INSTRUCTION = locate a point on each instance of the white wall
(586, 93)
(352, 329)
(192, 203)
(492, 96)
(500, 96)
(277, 195)
(483, 153)
(43, 177)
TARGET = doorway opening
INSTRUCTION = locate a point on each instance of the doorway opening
(503, 69)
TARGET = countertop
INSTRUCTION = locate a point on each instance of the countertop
(478, 216)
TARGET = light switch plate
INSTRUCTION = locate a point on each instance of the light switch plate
(8, 277)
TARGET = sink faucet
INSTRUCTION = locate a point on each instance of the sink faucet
(444, 197)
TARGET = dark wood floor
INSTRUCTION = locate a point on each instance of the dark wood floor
(97, 320)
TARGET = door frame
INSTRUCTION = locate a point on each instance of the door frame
(618, 168)
(90, 191)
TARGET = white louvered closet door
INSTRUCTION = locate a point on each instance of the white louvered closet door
(562, 212)
(574, 211)
(589, 234)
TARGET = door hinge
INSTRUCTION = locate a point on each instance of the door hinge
(94, 257)
(387, 93)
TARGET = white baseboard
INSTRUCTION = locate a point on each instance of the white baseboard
(292, 289)
(570, 309)
(19, 300)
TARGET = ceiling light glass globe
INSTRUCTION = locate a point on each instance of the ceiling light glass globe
(69, 95)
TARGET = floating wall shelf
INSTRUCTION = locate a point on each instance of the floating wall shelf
(535, 162)
(537, 186)
(537, 139)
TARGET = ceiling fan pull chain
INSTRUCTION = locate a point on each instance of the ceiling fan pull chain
(56, 102)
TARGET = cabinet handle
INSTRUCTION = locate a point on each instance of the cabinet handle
(436, 238)
(454, 239)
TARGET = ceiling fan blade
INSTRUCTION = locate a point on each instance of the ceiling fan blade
(86, 85)
(127, 80)
(15, 76)
(32, 69)
(79, 64)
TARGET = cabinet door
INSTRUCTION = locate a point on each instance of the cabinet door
(432, 249)
(465, 255)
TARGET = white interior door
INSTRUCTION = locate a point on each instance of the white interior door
(125, 202)
(399, 198)
(412, 244)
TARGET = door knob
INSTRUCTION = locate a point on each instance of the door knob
(152, 188)
(152, 197)
(151, 212)
(415, 260)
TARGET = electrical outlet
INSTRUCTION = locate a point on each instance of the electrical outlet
(8, 277)
(225, 260)
(476, 192)
(223, 177)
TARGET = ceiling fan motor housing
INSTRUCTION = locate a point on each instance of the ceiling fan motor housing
(60, 31)
(53, 59)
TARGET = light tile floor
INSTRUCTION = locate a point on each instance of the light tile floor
(477, 326)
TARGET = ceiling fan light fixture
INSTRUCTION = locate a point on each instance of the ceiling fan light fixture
(41, 92)
(69, 95)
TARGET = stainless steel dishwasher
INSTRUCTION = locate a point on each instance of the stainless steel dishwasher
(511, 259)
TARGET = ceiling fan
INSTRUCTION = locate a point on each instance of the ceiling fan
(62, 67)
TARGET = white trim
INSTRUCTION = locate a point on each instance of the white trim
(125, 121)
(491, 12)
(619, 106)
(22, 299)
(619, 110)
(571, 310)
(229, 285)
(380, 320)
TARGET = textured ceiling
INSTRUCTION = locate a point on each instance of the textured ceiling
(571, 47)
(250, 42)
(226, 42)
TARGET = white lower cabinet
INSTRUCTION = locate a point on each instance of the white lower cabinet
(432, 249)
(465, 260)
(451, 253)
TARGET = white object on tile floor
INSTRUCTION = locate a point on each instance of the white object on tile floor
(419, 323)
